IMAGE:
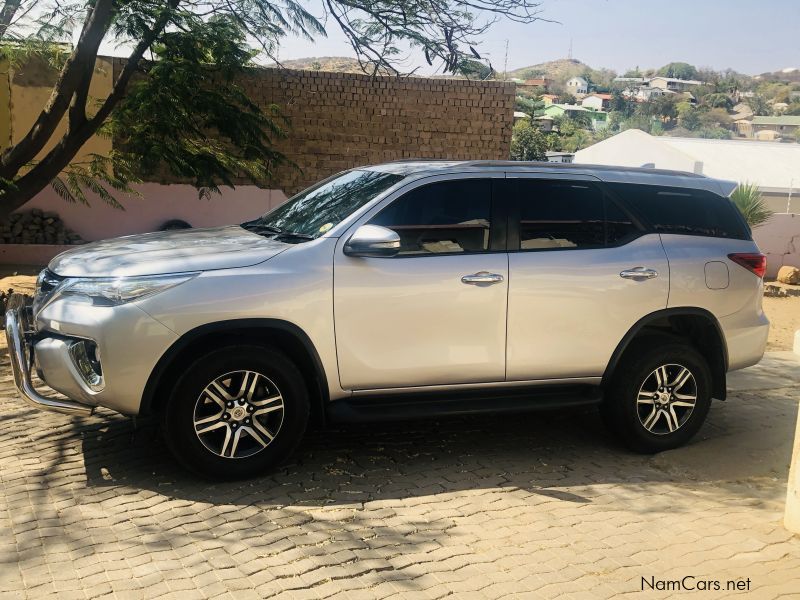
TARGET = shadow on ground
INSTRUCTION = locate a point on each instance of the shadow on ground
(744, 440)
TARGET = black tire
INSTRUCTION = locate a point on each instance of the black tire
(628, 416)
(279, 375)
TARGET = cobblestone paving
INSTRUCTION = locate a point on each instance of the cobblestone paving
(542, 506)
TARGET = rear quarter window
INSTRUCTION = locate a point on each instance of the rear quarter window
(683, 210)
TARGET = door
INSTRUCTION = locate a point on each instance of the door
(582, 272)
(436, 312)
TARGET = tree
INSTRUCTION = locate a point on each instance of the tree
(474, 69)
(718, 100)
(183, 108)
(528, 142)
(678, 70)
(688, 116)
(748, 199)
(758, 104)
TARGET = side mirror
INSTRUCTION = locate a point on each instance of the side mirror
(372, 240)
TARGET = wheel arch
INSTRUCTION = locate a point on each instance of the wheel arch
(276, 333)
(697, 325)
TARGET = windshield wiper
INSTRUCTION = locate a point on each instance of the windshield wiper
(257, 227)
(295, 235)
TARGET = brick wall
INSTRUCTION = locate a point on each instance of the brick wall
(341, 120)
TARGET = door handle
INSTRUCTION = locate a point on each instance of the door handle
(482, 277)
(639, 273)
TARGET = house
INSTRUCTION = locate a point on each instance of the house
(673, 85)
(773, 166)
(597, 101)
(597, 118)
(644, 94)
(783, 126)
(549, 98)
(540, 82)
(519, 115)
(559, 157)
(545, 123)
(577, 85)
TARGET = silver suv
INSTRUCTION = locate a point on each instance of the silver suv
(409, 289)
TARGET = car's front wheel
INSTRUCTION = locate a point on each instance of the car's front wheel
(659, 396)
(236, 412)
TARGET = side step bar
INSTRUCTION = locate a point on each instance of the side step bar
(366, 409)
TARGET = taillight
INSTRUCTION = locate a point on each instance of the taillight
(753, 262)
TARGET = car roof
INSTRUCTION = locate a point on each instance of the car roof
(607, 173)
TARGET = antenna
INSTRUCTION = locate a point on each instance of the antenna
(505, 62)
(569, 55)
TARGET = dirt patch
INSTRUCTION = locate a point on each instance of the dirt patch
(784, 317)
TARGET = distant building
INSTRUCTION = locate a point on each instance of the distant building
(597, 101)
(783, 126)
(577, 85)
(560, 157)
(539, 82)
(597, 118)
(549, 98)
(519, 115)
(545, 123)
(773, 166)
(673, 85)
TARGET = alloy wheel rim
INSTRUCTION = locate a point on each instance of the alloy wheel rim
(666, 399)
(238, 414)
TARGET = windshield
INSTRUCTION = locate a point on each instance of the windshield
(318, 209)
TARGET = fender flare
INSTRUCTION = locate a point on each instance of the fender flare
(232, 326)
(718, 370)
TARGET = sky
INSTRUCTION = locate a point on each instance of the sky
(750, 37)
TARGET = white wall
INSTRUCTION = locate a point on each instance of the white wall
(779, 239)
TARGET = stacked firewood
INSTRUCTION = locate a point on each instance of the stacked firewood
(37, 227)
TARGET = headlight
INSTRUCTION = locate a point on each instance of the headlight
(112, 291)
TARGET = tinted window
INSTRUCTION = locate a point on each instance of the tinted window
(619, 226)
(317, 209)
(443, 217)
(560, 214)
(684, 211)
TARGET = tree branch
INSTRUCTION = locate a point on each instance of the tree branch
(73, 73)
(10, 8)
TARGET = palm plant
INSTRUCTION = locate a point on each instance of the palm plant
(748, 199)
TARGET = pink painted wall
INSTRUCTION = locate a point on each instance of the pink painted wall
(779, 239)
(157, 204)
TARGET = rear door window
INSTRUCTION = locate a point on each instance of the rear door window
(567, 214)
(683, 210)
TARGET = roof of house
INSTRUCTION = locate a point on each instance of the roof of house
(518, 114)
(790, 120)
(675, 79)
(773, 166)
(603, 96)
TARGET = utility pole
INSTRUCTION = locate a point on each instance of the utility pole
(569, 55)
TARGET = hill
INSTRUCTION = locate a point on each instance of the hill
(335, 64)
(562, 69)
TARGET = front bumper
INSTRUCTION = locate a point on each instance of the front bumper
(21, 355)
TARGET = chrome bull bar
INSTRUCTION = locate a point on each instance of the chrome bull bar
(21, 364)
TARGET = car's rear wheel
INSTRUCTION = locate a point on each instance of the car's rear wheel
(236, 412)
(659, 396)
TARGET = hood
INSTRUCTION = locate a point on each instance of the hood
(167, 252)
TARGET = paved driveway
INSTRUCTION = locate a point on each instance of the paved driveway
(540, 505)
